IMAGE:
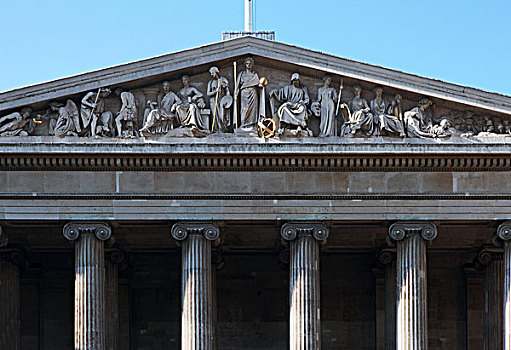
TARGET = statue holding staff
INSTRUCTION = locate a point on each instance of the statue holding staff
(220, 101)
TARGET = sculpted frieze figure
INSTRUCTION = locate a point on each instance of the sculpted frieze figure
(251, 97)
(68, 120)
(17, 124)
(327, 97)
(159, 116)
(389, 116)
(93, 114)
(187, 111)
(360, 119)
(419, 122)
(293, 112)
(220, 101)
(126, 120)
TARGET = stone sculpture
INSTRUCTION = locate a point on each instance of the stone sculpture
(293, 113)
(220, 101)
(159, 117)
(389, 119)
(68, 120)
(251, 97)
(17, 124)
(187, 111)
(418, 122)
(360, 118)
(93, 114)
(327, 97)
(126, 120)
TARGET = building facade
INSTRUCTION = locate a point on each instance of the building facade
(250, 194)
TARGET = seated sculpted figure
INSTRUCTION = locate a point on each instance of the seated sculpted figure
(93, 114)
(188, 109)
(360, 120)
(293, 112)
(159, 117)
(17, 124)
(68, 118)
(389, 123)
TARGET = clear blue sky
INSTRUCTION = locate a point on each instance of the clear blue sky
(464, 42)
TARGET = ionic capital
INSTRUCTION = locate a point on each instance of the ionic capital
(291, 231)
(504, 231)
(387, 255)
(4, 240)
(73, 230)
(399, 230)
(181, 230)
(489, 253)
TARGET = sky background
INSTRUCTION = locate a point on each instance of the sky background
(464, 42)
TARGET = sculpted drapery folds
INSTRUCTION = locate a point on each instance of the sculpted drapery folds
(251, 96)
(68, 122)
(293, 112)
(159, 116)
(96, 121)
(327, 97)
(17, 124)
(388, 121)
(220, 101)
(126, 120)
(361, 120)
(418, 121)
(188, 110)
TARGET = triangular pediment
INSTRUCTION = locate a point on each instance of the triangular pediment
(273, 60)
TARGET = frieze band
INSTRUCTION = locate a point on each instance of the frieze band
(241, 109)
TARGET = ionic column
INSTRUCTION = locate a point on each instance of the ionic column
(10, 322)
(411, 301)
(388, 258)
(115, 257)
(90, 283)
(504, 233)
(197, 329)
(304, 282)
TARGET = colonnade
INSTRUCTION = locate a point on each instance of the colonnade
(409, 331)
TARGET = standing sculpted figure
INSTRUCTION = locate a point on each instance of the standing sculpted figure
(327, 97)
(220, 101)
(68, 122)
(389, 123)
(361, 119)
(188, 110)
(126, 120)
(292, 113)
(251, 91)
(92, 111)
(159, 117)
(17, 124)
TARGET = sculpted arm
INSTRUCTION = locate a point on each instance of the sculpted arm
(306, 98)
(88, 100)
(211, 92)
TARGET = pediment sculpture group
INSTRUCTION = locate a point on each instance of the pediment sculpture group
(184, 113)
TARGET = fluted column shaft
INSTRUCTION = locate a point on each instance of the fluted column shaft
(411, 303)
(304, 284)
(390, 306)
(504, 233)
(197, 329)
(112, 298)
(90, 284)
(10, 324)
(493, 304)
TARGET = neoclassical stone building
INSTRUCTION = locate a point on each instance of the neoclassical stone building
(291, 200)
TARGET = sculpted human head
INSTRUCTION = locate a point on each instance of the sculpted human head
(105, 92)
(249, 63)
(398, 98)
(358, 90)
(295, 79)
(327, 79)
(214, 71)
(166, 86)
(26, 112)
(185, 79)
(378, 91)
(425, 103)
